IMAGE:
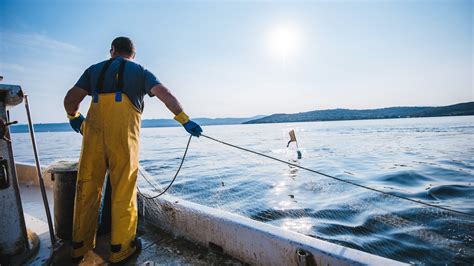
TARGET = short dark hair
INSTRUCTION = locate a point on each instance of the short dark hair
(123, 45)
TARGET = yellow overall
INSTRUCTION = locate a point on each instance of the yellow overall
(111, 140)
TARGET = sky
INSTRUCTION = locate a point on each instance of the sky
(246, 58)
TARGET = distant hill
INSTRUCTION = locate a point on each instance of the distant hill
(317, 115)
(146, 123)
(382, 113)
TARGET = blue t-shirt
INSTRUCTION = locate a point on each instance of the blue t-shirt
(136, 79)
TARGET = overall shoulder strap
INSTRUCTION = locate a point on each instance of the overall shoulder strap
(119, 81)
(100, 81)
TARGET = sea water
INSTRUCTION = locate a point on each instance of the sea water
(427, 159)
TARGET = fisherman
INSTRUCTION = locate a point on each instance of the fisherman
(111, 134)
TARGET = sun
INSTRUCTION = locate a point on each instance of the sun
(284, 41)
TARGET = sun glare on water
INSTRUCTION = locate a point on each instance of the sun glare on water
(284, 42)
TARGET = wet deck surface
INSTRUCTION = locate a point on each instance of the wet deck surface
(159, 247)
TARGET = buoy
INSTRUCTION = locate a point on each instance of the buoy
(293, 139)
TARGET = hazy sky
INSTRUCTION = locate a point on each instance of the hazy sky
(235, 59)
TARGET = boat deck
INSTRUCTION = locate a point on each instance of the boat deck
(159, 247)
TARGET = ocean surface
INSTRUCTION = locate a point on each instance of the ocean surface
(428, 159)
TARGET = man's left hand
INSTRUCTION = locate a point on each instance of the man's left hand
(192, 128)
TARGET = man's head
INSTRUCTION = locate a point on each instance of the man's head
(122, 46)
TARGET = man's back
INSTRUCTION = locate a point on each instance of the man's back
(137, 80)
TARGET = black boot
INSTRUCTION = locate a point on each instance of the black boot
(138, 244)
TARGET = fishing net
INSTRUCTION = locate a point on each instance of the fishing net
(286, 196)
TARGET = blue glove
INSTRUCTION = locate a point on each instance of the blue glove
(192, 128)
(76, 121)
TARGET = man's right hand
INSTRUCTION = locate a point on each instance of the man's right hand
(76, 121)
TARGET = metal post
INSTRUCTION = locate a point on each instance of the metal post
(40, 174)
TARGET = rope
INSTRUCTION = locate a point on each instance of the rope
(301, 167)
(338, 179)
(174, 178)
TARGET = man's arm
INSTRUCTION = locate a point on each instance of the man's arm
(165, 95)
(73, 99)
(175, 107)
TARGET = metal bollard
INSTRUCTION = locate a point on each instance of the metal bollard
(303, 257)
